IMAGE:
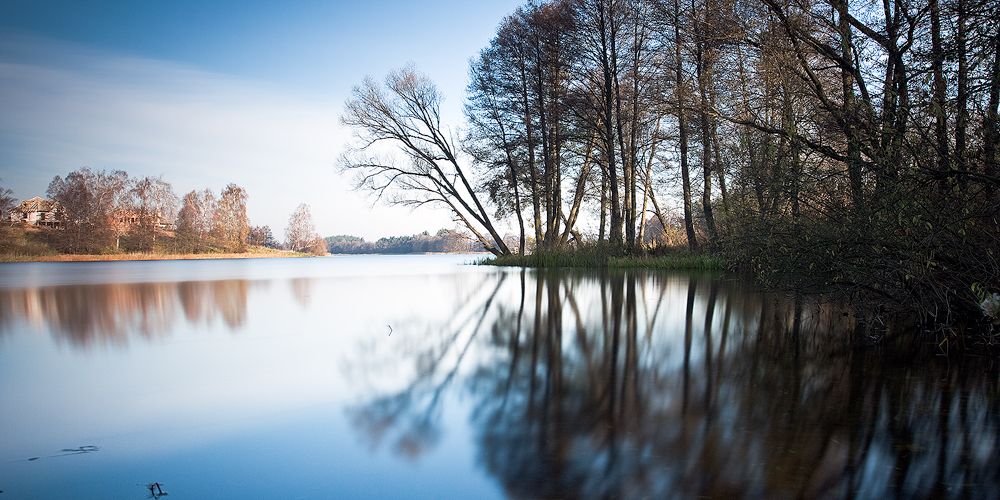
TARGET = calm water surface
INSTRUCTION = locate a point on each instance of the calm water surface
(420, 377)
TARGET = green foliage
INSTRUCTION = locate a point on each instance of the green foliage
(342, 238)
(445, 241)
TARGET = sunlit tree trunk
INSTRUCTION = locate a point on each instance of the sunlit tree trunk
(581, 187)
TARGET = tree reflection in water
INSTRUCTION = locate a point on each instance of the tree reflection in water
(86, 315)
(645, 385)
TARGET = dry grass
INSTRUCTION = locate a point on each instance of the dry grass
(31, 244)
(253, 253)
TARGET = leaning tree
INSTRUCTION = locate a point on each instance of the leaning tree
(406, 114)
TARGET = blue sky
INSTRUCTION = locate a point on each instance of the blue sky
(211, 92)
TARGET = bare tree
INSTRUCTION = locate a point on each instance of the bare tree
(154, 204)
(195, 221)
(90, 200)
(232, 220)
(317, 246)
(406, 114)
(7, 202)
(300, 232)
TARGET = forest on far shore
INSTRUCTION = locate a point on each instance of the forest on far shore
(444, 241)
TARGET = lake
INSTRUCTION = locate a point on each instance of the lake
(422, 377)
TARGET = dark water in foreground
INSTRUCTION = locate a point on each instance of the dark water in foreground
(416, 377)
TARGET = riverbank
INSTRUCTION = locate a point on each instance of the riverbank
(601, 257)
(28, 244)
(254, 253)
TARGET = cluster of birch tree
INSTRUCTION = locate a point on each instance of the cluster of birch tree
(300, 233)
(206, 223)
(853, 141)
(100, 210)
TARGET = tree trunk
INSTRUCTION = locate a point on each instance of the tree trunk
(703, 75)
(991, 122)
(581, 186)
(647, 189)
(962, 99)
(517, 208)
(938, 102)
(848, 106)
(682, 132)
(607, 36)
(532, 161)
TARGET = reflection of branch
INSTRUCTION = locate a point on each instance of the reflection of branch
(581, 339)
(65, 452)
(79, 450)
(720, 358)
(651, 320)
(772, 426)
(382, 413)
(515, 342)
(156, 490)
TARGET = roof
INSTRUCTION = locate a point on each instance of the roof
(37, 204)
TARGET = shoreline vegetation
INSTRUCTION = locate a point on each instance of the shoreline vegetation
(28, 244)
(19, 244)
(254, 253)
(604, 256)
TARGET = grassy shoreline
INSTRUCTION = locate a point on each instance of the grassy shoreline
(253, 254)
(32, 244)
(598, 257)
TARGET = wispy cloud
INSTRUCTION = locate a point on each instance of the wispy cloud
(63, 106)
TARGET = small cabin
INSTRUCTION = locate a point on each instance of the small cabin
(36, 212)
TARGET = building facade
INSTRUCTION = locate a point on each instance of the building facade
(36, 212)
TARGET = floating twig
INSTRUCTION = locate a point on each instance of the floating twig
(77, 451)
(69, 451)
(156, 489)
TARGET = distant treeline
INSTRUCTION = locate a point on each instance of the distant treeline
(445, 241)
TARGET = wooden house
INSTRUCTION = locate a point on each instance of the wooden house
(36, 212)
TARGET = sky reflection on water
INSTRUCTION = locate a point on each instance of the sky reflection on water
(279, 378)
